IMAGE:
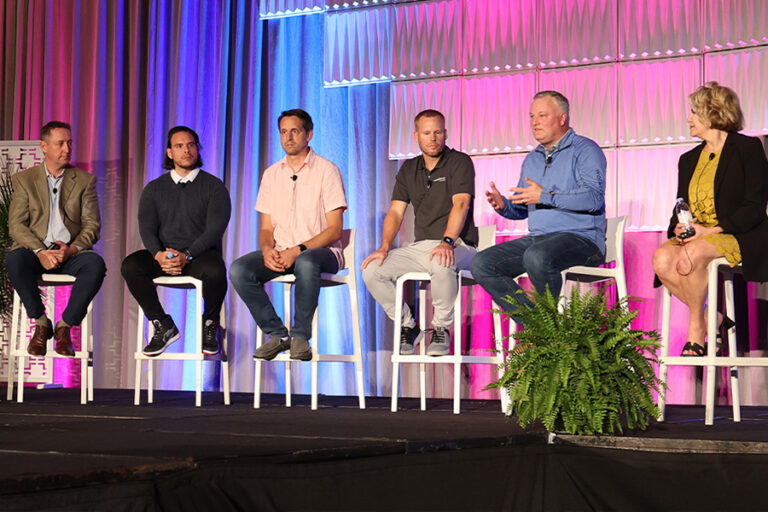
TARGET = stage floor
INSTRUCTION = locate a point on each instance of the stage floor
(51, 443)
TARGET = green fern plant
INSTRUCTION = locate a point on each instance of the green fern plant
(6, 292)
(583, 369)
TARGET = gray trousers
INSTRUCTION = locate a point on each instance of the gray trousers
(414, 257)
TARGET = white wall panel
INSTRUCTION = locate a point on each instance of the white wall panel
(652, 28)
(647, 184)
(282, 8)
(653, 99)
(357, 46)
(576, 32)
(335, 5)
(495, 111)
(734, 23)
(426, 39)
(591, 92)
(499, 35)
(406, 99)
(504, 171)
(746, 72)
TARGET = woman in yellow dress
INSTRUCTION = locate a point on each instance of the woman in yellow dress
(725, 181)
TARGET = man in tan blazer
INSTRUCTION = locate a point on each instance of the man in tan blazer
(54, 222)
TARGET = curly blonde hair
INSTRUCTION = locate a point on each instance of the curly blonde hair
(718, 106)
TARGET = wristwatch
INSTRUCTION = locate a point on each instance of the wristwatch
(188, 255)
(449, 241)
(302, 247)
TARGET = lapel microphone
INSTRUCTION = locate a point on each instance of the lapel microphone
(711, 156)
(55, 190)
(294, 177)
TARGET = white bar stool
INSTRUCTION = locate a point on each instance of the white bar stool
(614, 254)
(18, 352)
(188, 283)
(487, 237)
(326, 280)
(710, 361)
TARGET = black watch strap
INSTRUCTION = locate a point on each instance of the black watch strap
(302, 247)
(449, 241)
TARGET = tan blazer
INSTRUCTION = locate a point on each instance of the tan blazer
(30, 205)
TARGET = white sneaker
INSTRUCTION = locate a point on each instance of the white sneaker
(441, 342)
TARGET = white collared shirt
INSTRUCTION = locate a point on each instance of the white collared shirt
(189, 178)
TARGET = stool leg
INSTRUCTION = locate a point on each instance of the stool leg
(150, 381)
(257, 371)
(199, 345)
(287, 310)
(313, 363)
(497, 334)
(224, 355)
(89, 347)
(139, 339)
(730, 310)
(423, 324)
(14, 344)
(457, 337)
(356, 337)
(665, 314)
(396, 343)
(709, 417)
(23, 324)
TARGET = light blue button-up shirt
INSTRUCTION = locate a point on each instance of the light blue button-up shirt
(56, 228)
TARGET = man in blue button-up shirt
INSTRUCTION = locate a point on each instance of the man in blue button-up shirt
(562, 193)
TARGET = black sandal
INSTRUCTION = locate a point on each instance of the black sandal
(725, 326)
(698, 350)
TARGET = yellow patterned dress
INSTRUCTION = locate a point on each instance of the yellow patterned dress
(701, 194)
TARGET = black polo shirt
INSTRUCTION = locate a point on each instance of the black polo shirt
(431, 193)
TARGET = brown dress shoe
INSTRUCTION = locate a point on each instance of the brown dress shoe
(38, 345)
(64, 342)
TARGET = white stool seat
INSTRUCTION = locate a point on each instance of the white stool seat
(349, 279)
(487, 237)
(18, 352)
(188, 283)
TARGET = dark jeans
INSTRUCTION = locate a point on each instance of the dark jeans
(140, 268)
(542, 257)
(248, 275)
(24, 270)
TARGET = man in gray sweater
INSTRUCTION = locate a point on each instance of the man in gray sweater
(182, 218)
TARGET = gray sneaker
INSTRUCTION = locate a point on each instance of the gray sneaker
(441, 342)
(300, 349)
(408, 337)
(274, 346)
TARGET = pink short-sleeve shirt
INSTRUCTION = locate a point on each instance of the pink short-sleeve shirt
(298, 207)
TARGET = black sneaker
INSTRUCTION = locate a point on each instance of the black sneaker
(211, 338)
(164, 336)
(408, 336)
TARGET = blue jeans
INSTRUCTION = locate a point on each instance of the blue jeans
(249, 274)
(24, 269)
(542, 257)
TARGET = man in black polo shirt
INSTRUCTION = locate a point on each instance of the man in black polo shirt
(441, 186)
(182, 218)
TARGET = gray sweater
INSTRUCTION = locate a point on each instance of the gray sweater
(191, 216)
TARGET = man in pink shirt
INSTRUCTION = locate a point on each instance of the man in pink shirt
(301, 201)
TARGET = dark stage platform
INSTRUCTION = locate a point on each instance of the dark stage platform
(111, 455)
